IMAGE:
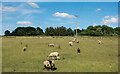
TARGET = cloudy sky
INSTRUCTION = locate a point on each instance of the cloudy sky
(46, 14)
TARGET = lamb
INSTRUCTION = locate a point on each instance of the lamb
(99, 42)
(71, 43)
(46, 65)
(51, 44)
(53, 54)
(78, 50)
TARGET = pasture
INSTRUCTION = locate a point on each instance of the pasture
(94, 57)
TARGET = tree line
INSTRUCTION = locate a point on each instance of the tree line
(25, 31)
(63, 31)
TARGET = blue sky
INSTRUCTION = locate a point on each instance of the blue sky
(46, 14)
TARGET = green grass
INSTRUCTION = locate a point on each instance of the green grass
(93, 57)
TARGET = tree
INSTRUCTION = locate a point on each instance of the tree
(70, 32)
(7, 33)
(78, 31)
(39, 31)
(63, 31)
(117, 30)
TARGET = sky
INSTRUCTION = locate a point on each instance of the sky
(56, 14)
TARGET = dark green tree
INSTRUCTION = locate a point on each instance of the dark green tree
(7, 33)
(70, 32)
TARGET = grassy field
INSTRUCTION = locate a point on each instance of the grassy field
(93, 57)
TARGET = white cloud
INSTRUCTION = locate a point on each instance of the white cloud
(110, 20)
(34, 5)
(64, 15)
(98, 9)
(107, 17)
(7, 9)
(77, 28)
(24, 22)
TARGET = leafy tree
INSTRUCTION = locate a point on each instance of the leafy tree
(70, 32)
(63, 31)
(117, 30)
(7, 33)
(39, 31)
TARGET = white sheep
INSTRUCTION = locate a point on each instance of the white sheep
(51, 44)
(99, 42)
(53, 54)
(74, 40)
(46, 65)
(71, 43)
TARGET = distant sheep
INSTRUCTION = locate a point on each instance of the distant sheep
(77, 41)
(46, 65)
(99, 42)
(78, 50)
(53, 54)
(24, 48)
(71, 43)
(74, 40)
(51, 44)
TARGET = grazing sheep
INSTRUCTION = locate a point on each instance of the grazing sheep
(46, 65)
(40, 37)
(51, 44)
(52, 64)
(71, 43)
(73, 40)
(53, 54)
(24, 49)
(78, 50)
(77, 41)
(99, 42)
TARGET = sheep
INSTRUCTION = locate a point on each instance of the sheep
(78, 50)
(73, 40)
(51, 44)
(77, 41)
(99, 42)
(52, 64)
(24, 49)
(71, 43)
(53, 54)
(46, 65)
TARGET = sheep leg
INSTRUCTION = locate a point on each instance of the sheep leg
(51, 68)
(47, 68)
(44, 67)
